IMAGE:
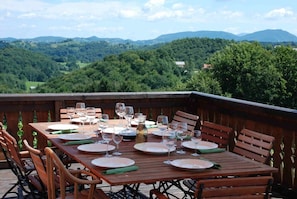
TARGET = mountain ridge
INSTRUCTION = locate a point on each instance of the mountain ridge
(268, 35)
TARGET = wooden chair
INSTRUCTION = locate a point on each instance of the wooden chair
(256, 187)
(21, 165)
(65, 117)
(54, 167)
(254, 145)
(216, 133)
(190, 119)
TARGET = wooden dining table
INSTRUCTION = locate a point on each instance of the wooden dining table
(151, 168)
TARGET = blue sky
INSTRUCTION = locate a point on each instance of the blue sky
(142, 19)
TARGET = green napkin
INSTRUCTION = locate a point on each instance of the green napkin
(75, 142)
(64, 131)
(121, 170)
(216, 150)
(151, 126)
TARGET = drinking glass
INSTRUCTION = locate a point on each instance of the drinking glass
(103, 124)
(70, 112)
(120, 109)
(117, 138)
(80, 109)
(169, 141)
(162, 122)
(129, 115)
(182, 133)
(196, 138)
(107, 137)
(91, 114)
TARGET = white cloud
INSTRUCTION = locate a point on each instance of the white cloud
(152, 4)
(276, 13)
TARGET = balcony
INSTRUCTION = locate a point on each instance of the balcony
(276, 121)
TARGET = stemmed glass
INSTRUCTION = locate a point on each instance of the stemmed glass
(169, 141)
(129, 115)
(103, 124)
(182, 133)
(120, 109)
(107, 137)
(117, 138)
(70, 112)
(196, 138)
(91, 114)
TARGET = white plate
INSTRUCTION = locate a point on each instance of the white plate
(116, 129)
(113, 162)
(160, 133)
(96, 147)
(147, 123)
(153, 147)
(74, 136)
(62, 127)
(191, 164)
(78, 120)
(200, 145)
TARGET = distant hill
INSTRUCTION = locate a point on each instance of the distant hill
(273, 36)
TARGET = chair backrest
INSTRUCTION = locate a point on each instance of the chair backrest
(65, 117)
(216, 133)
(238, 187)
(39, 162)
(55, 166)
(254, 145)
(13, 151)
(190, 119)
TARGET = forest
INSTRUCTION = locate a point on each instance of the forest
(252, 71)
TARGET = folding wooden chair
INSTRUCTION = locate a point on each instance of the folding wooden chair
(21, 165)
(216, 133)
(256, 187)
(190, 119)
(54, 167)
(254, 145)
(65, 117)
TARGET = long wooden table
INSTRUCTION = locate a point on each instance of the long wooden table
(151, 166)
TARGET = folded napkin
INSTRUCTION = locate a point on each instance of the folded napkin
(75, 142)
(150, 126)
(216, 150)
(64, 131)
(121, 170)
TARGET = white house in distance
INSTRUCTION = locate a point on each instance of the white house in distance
(180, 64)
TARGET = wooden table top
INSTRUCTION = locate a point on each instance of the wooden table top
(151, 166)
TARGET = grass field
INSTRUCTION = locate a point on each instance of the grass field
(31, 85)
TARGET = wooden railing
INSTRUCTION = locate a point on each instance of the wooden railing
(238, 114)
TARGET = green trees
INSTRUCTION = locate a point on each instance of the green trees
(249, 71)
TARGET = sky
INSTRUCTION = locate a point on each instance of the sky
(142, 19)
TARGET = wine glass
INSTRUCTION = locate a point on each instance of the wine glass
(129, 115)
(120, 109)
(182, 133)
(117, 138)
(196, 138)
(107, 137)
(70, 112)
(103, 124)
(169, 141)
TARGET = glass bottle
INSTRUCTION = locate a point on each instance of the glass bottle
(141, 130)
